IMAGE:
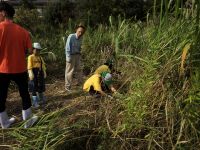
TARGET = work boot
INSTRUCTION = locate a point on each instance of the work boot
(35, 101)
(5, 121)
(29, 117)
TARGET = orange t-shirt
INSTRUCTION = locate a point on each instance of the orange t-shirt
(14, 42)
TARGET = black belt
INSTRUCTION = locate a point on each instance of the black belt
(76, 54)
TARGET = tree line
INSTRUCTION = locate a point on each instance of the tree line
(98, 11)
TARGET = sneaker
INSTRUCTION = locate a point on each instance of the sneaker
(68, 89)
(36, 105)
(97, 96)
(31, 121)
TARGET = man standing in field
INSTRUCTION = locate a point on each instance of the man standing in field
(73, 56)
(14, 43)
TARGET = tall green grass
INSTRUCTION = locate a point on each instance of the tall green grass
(158, 108)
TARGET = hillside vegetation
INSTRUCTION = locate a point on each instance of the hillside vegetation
(158, 105)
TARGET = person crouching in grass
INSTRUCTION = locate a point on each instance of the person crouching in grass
(99, 85)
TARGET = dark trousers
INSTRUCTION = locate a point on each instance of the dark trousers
(94, 92)
(39, 82)
(21, 79)
(97, 93)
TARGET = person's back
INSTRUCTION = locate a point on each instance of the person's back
(102, 68)
(13, 44)
(94, 81)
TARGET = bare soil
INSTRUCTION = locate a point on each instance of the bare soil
(56, 96)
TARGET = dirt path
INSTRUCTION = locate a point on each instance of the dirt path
(55, 94)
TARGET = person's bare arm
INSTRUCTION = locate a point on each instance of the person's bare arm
(102, 93)
(113, 89)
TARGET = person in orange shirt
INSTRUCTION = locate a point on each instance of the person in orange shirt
(14, 43)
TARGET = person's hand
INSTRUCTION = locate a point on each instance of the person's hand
(68, 59)
(117, 94)
(45, 74)
(109, 96)
(30, 74)
(113, 89)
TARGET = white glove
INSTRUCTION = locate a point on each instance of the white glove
(117, 94)
(45, 74)
(109, 96)
(30, 74)
(68, 59)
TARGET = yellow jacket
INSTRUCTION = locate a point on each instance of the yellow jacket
(35, 62)
(95, 81)
(102, 68)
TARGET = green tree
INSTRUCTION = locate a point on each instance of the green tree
(98, 11)
(28, 4)
(95, 12)
(30, 19)
(59, 12)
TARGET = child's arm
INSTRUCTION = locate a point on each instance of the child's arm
(30, 71)
(45, 74)
(44, 68)
(30, 74)
(113, 89)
